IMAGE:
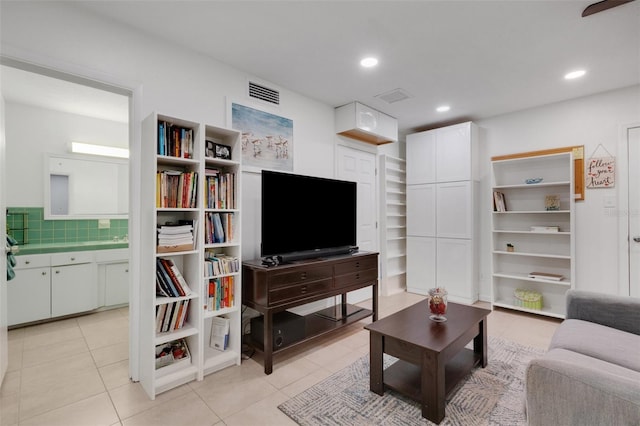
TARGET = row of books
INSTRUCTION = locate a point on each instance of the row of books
(220, 264)
(175, 141)
(219, 293)
(218, 227)
(219, 189)
(171, 316)
(178, 237)
(176, 189)
(169, 280)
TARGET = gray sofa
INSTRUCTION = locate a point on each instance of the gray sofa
(591, 373)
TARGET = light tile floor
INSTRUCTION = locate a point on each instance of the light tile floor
(75, 372)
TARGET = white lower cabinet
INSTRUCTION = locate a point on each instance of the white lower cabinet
(116, 290)
(29, 295)
(54, 285)
(455, 269)
(73, 289)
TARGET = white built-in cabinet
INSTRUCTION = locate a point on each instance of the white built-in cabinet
(442, 188)
(358, 121)
(393, 221)
(51, 285)
(541, 240)
(196, 330)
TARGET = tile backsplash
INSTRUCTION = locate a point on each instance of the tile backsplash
(27, 225)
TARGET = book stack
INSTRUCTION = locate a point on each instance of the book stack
(169, 280)
(220, 264)
(546, 276)
(220, 327)
(175, 238)
(171, 316)
(220, 293)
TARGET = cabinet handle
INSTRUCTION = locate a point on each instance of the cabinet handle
(73, 258)
(636, 239)
(126, 270)
(303, 276)
(303, 289)
(358, 276)
(58, 271)
(26, 262)
(44, 273)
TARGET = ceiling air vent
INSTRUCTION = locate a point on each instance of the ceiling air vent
(395, 95)
(263, 93)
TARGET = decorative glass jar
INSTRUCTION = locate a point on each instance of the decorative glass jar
(438, 304)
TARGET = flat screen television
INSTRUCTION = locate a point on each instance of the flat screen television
(306, 217)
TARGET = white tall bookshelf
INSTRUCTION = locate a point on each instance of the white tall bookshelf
(393, 218)
(191, 261)
(542, 240)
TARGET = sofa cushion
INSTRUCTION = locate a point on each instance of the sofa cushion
(598, 341)
(568, 388)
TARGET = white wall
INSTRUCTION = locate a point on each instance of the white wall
(195, 87)
(31, 132)
(189, 86)
(587, 121)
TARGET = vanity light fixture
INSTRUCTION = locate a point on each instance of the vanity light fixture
(369, 62)
(574, 74)
(443, 108)
(107, 151)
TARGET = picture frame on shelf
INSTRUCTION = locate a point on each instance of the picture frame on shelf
(210, 149)
(222, 151)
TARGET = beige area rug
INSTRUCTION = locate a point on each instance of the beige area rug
(488, 396)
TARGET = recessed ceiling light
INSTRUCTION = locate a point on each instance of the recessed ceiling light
(369, 62)
(574, 74)
(443, 108)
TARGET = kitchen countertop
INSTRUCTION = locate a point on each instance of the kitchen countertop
(64, 247)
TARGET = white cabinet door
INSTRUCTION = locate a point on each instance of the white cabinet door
(116, 284)
(421, 264)
(453, 153)
(421, 157)
(453, 206)
(74, 288)
(455, 269)
(421, 210)
(29, 296)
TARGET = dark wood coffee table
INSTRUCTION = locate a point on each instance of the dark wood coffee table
(432, 357)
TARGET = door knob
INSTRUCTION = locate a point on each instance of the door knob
(636, 239)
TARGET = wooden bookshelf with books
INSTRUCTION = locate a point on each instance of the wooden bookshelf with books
(181, 253)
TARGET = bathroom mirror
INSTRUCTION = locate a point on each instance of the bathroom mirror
(85, 187)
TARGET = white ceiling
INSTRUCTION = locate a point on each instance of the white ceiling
(484, 58)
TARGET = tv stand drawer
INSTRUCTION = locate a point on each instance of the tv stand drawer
(291, 293)
(301, 275)
(358, 277)
(369, 262)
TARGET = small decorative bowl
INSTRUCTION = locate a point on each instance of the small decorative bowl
(533, 180)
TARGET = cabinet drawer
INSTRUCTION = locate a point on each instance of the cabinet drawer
(287, 294)
(357, 277)
(354, 265)
(71, 258)
(32, 261)
(300, 276)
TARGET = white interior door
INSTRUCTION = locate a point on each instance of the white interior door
(4, 349)
(633, 166)
(360, 166)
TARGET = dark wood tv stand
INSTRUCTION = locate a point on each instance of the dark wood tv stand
(274, 289)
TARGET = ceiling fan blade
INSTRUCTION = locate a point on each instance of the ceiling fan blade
(602, 5)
